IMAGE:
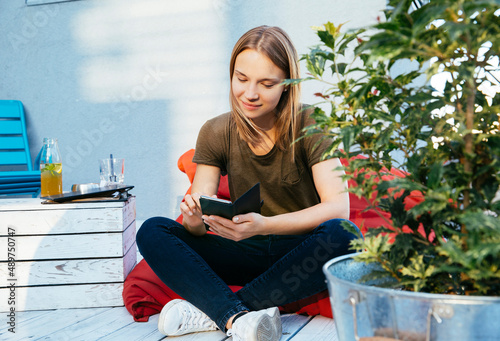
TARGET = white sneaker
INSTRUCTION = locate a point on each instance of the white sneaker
(179, 317)
(262, 325)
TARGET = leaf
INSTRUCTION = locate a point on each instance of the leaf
(349, 227)
(377, 244)
(397, 210)
(481, 222)
(379, 278)
(403, 242)
(347, 39)
(348, 136)
(435, 175)
(327, 38)
(421, 97)
(319, 94)
(295, 81)
(418, 268)
(341, 68)
(49, 167)
(407, 78)
(315, 62)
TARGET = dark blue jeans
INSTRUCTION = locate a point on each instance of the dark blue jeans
(273, 270)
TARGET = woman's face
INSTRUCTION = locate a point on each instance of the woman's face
(256, 85)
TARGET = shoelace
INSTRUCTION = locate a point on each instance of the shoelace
(194, 319)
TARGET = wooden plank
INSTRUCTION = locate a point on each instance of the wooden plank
(144, 331)
(59, 221)
(93, 327)
(129, 212)
(39, 324)
(318, 328)
(79, 271)
(129, 237)
(35, 204)
(63, 296)
(74, 246)
(129, 260)
(23, 318)
(291, 323)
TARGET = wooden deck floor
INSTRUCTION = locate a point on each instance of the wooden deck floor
(117, 324)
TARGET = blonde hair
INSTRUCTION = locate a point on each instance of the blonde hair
(275, 44)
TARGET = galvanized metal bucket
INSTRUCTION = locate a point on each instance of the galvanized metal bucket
(364, 312)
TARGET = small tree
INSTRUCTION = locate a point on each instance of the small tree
(448, 139)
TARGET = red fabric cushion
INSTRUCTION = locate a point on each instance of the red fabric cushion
(145, 294)
(366, 219)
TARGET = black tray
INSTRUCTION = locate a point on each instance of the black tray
(106, 191)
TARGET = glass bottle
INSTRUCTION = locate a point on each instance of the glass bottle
(51, 168)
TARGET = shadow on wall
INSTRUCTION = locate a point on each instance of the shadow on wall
(138, 55)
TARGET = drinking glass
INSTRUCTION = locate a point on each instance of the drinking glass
(112, 171)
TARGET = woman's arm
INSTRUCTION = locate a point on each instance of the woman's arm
(334, 204)
(205, 182)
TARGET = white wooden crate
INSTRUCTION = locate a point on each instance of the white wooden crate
(73, 255)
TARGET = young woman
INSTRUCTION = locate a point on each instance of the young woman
(276, 256)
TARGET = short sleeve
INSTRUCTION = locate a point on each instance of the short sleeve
(212, 143)
(314, 145)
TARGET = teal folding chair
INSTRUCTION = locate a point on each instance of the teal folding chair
(15, 151)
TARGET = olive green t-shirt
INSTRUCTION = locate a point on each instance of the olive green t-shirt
(285, 186)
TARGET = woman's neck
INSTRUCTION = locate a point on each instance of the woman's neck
(266, 143)
(266, 125)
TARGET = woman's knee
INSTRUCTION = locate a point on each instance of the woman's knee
(149, 229)
(341, 228)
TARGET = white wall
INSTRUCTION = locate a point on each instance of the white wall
(138, 78)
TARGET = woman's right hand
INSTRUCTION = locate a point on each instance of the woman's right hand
(206, 181)
(191, 211)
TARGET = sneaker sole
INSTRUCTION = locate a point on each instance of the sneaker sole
(270, 326)
(276, 320)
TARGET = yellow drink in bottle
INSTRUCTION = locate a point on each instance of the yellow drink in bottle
(51, 178)
(50, 168)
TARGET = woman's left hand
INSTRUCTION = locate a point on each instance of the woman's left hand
(240, 227)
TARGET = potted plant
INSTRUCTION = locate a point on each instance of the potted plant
(382, 110)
